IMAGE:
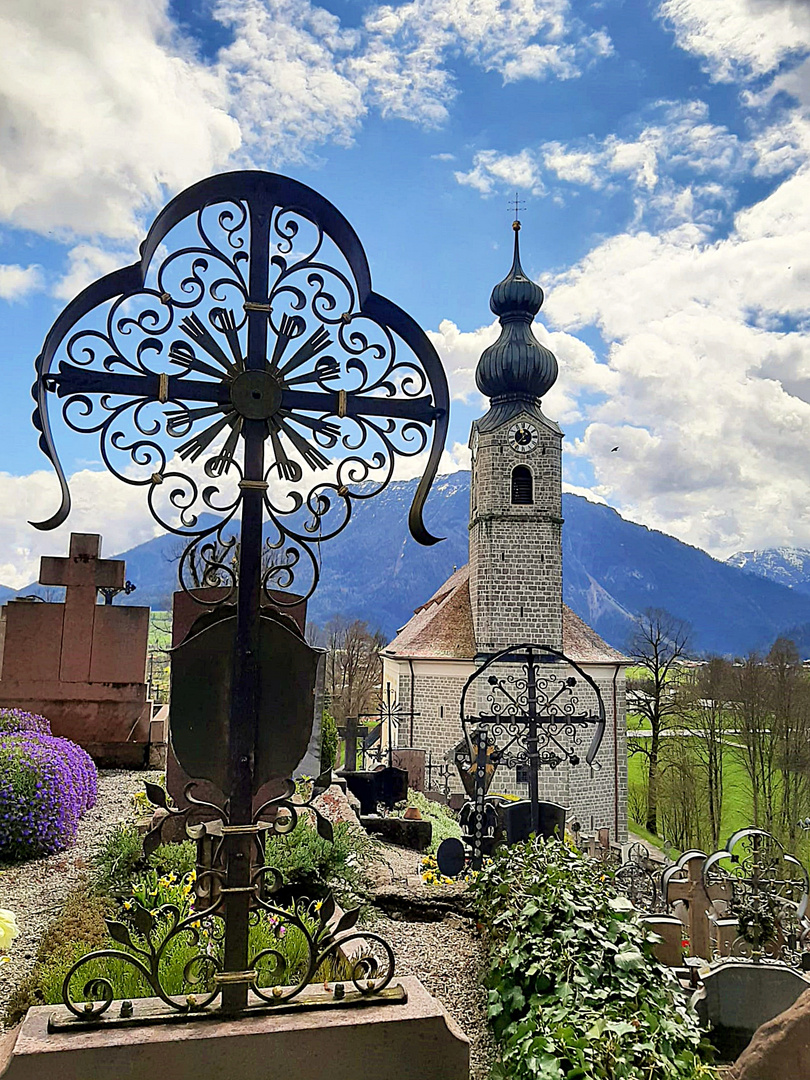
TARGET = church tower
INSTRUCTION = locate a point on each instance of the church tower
(516, 485)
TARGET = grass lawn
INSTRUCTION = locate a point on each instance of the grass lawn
(736, 791)
(160, 630)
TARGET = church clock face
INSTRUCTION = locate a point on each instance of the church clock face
(523, 437)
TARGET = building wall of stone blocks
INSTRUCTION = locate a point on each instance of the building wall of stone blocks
(516, 550)
(597, 799)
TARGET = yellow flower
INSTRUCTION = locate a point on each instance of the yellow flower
(8, 928)
(5, 959)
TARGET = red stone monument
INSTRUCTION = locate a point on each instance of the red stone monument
(79, 663)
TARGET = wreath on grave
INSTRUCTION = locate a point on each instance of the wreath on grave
(757, 924)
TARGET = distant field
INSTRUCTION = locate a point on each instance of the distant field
(737, 811)
(160, 630)
(157, 664)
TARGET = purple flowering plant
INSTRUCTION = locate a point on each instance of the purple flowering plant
(46, 784)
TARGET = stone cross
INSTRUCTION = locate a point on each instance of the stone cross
(82, 573)
(689, 887)
(353, 730)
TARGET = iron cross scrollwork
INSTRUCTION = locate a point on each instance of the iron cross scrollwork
(248, 319)
(389, 715)
(527, 705)
(243, 373)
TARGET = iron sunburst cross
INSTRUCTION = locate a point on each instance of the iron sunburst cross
(249, 318)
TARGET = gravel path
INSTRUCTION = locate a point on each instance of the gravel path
(35, 891)
(447, 956)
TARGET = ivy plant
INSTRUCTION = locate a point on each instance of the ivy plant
(574, 991)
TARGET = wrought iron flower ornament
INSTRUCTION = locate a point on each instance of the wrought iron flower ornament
(246, 349)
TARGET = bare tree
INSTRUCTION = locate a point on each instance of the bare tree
(659, 641)
(352, 666)
(704, 697)
(682, 797)
(790, 732)
(751, 705)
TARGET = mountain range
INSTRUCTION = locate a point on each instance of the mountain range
(612, 570)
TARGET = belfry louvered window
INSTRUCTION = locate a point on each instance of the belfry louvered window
(522, 488)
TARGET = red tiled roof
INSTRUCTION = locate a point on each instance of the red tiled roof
(442, 629)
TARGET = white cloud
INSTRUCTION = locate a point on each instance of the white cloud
(100, 504)
(409, 46)
(18, 281)
(286, 72)
(739, 39)
(108, 109)
(677, 139)
(86, 263)
(492, 170)
(710, 400)
(105, 108)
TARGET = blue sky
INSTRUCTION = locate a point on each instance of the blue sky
(662, 149)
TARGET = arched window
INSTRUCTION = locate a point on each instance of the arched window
(522, 488)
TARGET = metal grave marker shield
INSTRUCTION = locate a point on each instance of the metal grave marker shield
(199, 722)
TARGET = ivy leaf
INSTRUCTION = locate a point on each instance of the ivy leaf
(628, 958)
(157, 795)
(118, 932)
(620, 903)
(620, 1027)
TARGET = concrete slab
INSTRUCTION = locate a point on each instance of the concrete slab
(414, 1040)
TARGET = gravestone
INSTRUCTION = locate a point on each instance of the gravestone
(386, 786)
(79, 663)
(413, 762)
(516, 820)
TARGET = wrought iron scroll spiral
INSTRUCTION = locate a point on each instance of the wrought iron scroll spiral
(146, 359)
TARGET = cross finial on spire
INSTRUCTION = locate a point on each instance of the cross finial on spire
(519, 205)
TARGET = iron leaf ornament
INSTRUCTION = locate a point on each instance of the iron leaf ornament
(246, 349)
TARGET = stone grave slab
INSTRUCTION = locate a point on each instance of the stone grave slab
(413, 1040)
(79, 663)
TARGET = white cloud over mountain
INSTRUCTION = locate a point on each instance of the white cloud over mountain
(108, 108)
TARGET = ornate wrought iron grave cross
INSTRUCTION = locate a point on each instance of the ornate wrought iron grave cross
(389, 714)
(243, 369)
(523, 707)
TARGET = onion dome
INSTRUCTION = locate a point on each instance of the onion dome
(517, 368)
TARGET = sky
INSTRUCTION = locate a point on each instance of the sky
(661, 149)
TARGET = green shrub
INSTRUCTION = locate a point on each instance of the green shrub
(310, 865)
(575, 992)
(120, 859)
(329, 741)
(441, 818)
(116, 860)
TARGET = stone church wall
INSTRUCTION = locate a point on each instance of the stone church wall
(590, 796)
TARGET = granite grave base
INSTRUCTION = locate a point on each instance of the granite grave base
(410, 1040)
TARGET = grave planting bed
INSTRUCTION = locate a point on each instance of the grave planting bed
(36, 891)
